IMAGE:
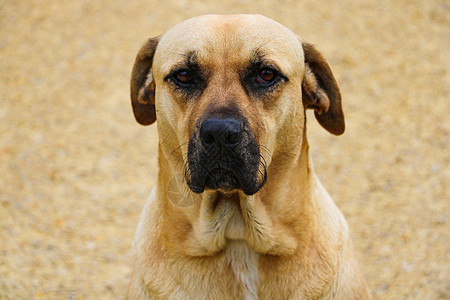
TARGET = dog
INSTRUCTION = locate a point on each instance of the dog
(237, 211)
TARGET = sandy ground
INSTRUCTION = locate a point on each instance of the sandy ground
(75, 168)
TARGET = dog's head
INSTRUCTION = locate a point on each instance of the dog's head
(234, 90)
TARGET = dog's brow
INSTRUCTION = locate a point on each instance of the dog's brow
(258, 56)
(187, 60)
(190, 57)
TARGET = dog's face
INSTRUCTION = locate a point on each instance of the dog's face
(229, 94)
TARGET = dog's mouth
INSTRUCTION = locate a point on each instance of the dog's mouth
(243, 178)
(222, 179)
(224, 156)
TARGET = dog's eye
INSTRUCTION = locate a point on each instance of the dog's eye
(266, 76)
(183, 76)
(188, 81)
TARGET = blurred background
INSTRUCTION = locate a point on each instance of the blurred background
(76, 169)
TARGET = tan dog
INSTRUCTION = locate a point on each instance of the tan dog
(238, 212)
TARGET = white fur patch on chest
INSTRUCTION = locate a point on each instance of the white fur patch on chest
(244, 262)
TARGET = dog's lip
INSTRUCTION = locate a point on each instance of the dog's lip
(221, 173)
(223, 170)
(235, 184)
(197, 189)
(205, 183)
(225, 192)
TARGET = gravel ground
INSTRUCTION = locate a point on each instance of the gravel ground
(75, 168)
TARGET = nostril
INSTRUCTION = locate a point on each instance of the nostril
(207, 133)
(232, 138)
(221, 132)
(208, 138)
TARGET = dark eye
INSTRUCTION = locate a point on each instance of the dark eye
(266, 76)
(183, 76)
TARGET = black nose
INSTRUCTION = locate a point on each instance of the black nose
(221, 132)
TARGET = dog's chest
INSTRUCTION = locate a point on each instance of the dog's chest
(244, 263)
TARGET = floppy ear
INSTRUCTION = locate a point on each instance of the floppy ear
(321, 92)
(142, 84)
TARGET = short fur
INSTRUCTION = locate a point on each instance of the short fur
(288, 240)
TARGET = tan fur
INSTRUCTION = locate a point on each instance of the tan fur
(289, 240)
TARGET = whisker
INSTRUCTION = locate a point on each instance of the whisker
(181, 145)
(184, 154)
(262, 147)
(187, 170)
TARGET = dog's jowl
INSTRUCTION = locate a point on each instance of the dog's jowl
(238, 212)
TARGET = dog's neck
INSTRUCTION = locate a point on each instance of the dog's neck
(205, 222)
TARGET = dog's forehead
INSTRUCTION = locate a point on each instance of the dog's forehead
(235, 38)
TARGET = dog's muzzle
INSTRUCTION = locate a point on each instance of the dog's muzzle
(223, 154)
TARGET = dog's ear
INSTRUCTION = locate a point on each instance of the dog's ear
(142, 84)
(321, 92)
